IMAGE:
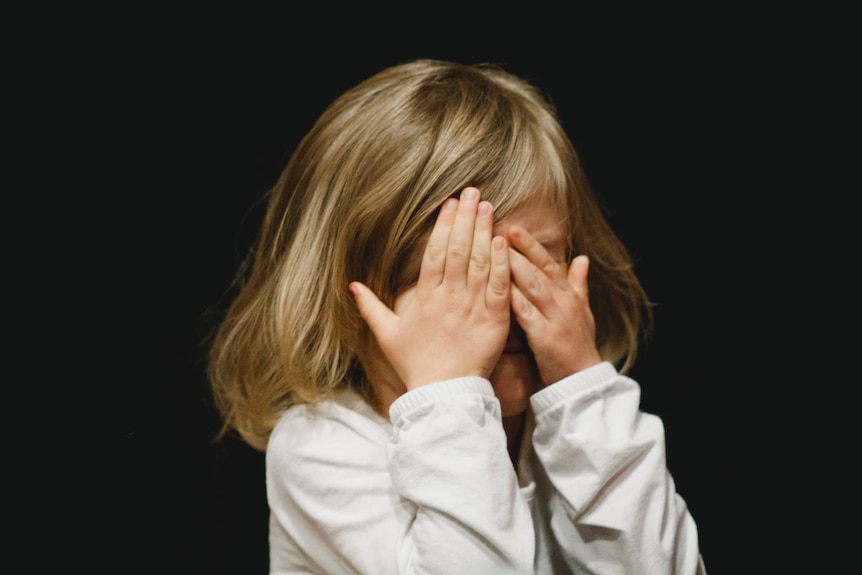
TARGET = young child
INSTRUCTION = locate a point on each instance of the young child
(431, 341)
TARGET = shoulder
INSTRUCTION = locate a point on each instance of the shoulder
(334, 431)
(326, 463)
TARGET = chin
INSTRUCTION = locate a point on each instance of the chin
(514, 380)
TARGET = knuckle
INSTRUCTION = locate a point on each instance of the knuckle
(525, 307)
(536, 285)
(479, 261)
(435, 253)
(549, 267)
(499, 286)
(457, 251)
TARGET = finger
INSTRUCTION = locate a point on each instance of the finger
(434, 257)
(461, 237)
(526, 314)
(375, 313)
(578, 272)
(480, 253)
(500, 277)
(525, 243)
(531, 281)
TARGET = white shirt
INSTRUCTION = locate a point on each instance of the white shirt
(435, 492)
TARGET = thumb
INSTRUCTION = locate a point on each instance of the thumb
(578, 270)
(373, 311)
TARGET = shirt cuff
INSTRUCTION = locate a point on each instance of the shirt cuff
(576, 383)
(441, 390)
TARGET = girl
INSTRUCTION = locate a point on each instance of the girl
(431, 342)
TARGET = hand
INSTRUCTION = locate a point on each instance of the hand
(552, 306)
(455, 321)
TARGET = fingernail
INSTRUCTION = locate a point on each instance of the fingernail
(470, 193)
(484, 208)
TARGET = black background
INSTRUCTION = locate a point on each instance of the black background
(166, 129)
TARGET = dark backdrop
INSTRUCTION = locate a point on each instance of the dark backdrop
(189, 120)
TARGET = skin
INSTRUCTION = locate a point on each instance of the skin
(496, 301)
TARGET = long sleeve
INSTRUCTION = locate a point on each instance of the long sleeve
(450, 467)
(433, 492)
(612, 506)
(332, 508)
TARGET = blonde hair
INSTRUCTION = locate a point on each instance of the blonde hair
(356, 201)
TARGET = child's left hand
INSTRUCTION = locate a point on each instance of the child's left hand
(551, 304)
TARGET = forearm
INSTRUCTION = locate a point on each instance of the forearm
(449, 463)
(616, 510)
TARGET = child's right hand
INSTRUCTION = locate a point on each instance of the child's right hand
(455, 320)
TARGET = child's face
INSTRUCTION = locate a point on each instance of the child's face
(515, 377)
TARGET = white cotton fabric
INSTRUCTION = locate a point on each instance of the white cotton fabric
(434, 491)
